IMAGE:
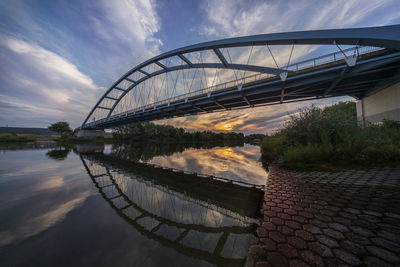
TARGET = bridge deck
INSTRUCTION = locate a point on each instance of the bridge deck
(327, 80)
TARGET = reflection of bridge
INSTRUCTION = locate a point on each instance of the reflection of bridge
(245, 72)
(200, 218)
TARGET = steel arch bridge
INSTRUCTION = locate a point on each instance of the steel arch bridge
(252, 71)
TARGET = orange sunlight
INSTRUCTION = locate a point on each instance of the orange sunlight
(228, 127)
(224, 152)
(224, 127)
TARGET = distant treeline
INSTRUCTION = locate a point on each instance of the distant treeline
(254, 139)
(25, 130)
(148, 131)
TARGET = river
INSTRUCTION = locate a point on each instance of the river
(143, 205)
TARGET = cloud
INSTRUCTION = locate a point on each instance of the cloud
(48, 61)
(227, 18)
(129, 23)
(42, 83)
(62, 64)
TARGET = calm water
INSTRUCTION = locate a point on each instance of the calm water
(102, 206)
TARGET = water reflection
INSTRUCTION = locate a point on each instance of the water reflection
(147, 151)
(235, 163)
(58, 154)
(158, 216)
(32, 193)
(238, 163)
(201, 218)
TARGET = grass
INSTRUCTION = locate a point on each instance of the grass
(17, 138)
(26, 138)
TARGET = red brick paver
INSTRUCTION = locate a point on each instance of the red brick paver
(328, 219)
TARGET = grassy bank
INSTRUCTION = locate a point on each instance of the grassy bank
(26, 138)
(331, 136)
(19, 138)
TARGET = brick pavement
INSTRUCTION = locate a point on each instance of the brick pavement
(341, 218)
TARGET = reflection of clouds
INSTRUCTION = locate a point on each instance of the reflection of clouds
(238, 163)
(19, 164)
(27, 169)
(40, 178)
(52, 182)
(39, 223)
(38, 192)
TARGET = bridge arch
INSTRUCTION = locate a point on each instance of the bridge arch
(385, 37)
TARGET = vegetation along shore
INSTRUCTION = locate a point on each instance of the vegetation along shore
(332, 136)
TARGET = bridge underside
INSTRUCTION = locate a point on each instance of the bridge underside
(372, 72)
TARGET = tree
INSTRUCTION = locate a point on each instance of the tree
(60, 127)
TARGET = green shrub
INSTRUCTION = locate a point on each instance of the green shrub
(316, 126)
(331, 135)
(272, 148)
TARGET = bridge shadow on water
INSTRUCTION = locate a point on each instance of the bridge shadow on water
(202, 217)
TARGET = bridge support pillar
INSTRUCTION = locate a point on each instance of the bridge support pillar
(90, 133)
(383, 104)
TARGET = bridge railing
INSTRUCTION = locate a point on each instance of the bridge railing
(295, 67)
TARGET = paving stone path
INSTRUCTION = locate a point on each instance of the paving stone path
(341, 218)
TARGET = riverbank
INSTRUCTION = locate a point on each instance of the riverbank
(15, 138)
(21, 138)
(349, 217)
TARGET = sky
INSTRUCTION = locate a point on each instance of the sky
(58, 57)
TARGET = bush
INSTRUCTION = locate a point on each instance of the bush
(331, 135)
(272, 148)
(316, 126)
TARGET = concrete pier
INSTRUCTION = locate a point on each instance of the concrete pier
(383, 104)
(90, 133)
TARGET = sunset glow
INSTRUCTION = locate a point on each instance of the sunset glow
(228, 127)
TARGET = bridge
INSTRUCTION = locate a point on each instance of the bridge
(252, 71)
(202, 218)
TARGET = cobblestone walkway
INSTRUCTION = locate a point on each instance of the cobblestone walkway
(330, 219)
